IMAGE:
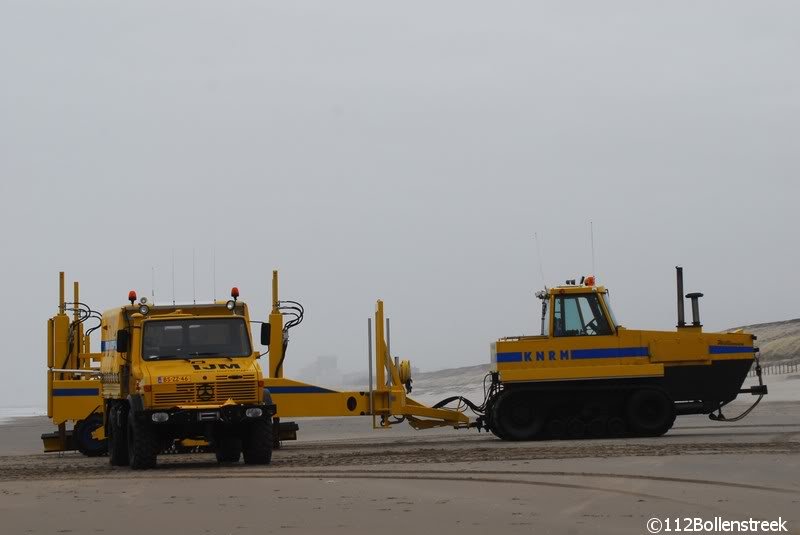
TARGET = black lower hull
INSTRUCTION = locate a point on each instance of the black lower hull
(714, 385)
(612, 407)
(706, 386)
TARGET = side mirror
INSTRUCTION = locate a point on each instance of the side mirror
(122, 340)
(265, 331)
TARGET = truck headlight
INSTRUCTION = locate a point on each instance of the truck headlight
(144, 310)
(230, 305)
(160, 417)
(254, 412)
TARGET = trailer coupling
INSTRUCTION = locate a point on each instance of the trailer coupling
(757, 390)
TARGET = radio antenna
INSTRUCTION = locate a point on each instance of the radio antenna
(591, 237)
(214, 273)
(173, 276)
(153, 284)
(539, 254)
(194, 292)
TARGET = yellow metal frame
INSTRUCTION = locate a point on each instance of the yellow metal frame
(74, 391)
(386, 401)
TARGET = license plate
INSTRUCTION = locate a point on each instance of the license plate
(174, 379)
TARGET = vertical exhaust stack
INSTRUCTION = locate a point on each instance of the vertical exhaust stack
(695, 297)
(681, 313)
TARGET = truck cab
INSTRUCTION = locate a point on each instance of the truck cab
(176, 372)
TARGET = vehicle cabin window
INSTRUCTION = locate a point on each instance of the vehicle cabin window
(579, 315)
(195, 338)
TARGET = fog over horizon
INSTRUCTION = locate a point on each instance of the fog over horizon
(407, 153)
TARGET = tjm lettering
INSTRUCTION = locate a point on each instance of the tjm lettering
(215, 367)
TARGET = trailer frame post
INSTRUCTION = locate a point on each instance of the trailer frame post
(369, 361)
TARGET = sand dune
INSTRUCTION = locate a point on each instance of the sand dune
(778, 341)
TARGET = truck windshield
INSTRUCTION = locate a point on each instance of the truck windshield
(579, 315)
(195, 337)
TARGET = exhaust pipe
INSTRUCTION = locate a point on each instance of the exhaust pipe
(695, 297)
(681, 312)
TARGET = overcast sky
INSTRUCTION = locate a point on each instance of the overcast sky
(405, 151)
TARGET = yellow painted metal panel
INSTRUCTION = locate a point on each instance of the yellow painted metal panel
(75, 399)
(678, 348)
(52, 443)
(50, 359)
(295, 399)
(60, 340)
(49, 394)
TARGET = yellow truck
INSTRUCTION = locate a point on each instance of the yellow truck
(188, 376)
(170, 373)
(588, 376)
(166, 373)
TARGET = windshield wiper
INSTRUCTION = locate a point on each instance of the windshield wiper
(209, 354)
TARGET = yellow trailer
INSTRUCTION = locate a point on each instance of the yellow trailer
(387, 401)
(73, 384)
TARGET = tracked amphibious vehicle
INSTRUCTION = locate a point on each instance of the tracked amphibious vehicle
(588, 376)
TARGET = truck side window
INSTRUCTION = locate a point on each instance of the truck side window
(579, 315)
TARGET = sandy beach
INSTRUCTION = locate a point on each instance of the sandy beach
(344, 477)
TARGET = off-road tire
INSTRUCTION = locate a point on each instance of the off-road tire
(516, 416)
(650, 412)
(557, 428)
(576, 428)
(82, 434)
(596, 428)
(142, 444)
(491, 420)
(257, 443)
(229, 449)
(616, 427)
(117, 436)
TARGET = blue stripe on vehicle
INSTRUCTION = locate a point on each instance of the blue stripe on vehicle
(76, 392)
(299, 390)
(578, 354)
(108, 345)
(509, 357)
(609, 353)
(722, 350)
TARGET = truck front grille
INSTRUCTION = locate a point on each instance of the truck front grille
(217, 392)
(172, 395)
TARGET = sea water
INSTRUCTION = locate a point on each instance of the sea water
(9, 413)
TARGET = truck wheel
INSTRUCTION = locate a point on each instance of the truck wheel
(576, 428)
(517, 417)
(229, 449)
(117, 439)
(142, 444)
(82, 433)
(616, 427)
(257, 443)
(650, 412)
(557, 428)
(492, 419)
(596, 428)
